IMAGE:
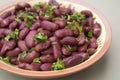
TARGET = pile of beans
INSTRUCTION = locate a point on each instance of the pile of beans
(47, 36)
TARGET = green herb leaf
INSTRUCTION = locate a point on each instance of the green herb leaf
(36, 6)
(20, 13)
(31, 50)
(13, 35)
(68, 47)
(37, 60)
(6, 59)
(40, 38)
(86, 39)
(80, 29)
(90, 33)
(28, 20)
(23, 54)
(59, 65)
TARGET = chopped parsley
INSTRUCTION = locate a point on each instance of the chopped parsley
(37, 60)
(36, 6)
(80, 29)
(6, 59)
(90, 33)
(20, 13)
(23, 54)
(13, 35)
(59, 65)
(28, 20)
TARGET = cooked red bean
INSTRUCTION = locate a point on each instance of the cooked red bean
(47, 51)
(96, 30)
(47, 59)
(7, 46)
(69, 40)
(13, 53)
(61, 38)
(35, 26)
(46, 67)
(47, 25)
(5, 14)
(56, 48)
(29, 40)
(81, 39)
(13, 25)
(30, 56)
(42, 46)
(23, 33)
(72, 60)
(60, 23)
(63, 33)
(22, 45)
(87, 13)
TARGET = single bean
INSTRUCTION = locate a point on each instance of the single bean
(14, 61)
(1, 45)
(87, 13)
(35, 26)
(96, 30)
(46, 32)
(42, 46)
(47, 25)
(84, 23)
(75, 31)
(60, 23)
(2, 30)
(81, 39)
(47, 59)
(65, 10)
(13, 53)
(84, 56)
(68, 40)
(22, 65)
(87, 28)
(56, 12)
(92, 39)
(91, 51)
(83, 48)
(90, 21)
(22, 46)
(46, 67)
(29, 40)
(22, 26)
(7, 31)
(93, 45)
(63, 33)
(48, 51)
(13, 25)
(53, 3)
(23, 33)
(65, 51)
(5, 14)
(30, 56)
(8, 45)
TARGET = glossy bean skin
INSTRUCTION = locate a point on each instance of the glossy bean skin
(83, 48)
(48, 51)
(63, 33)
(13, 25)
(35, 26)
(65, 51)
(81, 39)
(90, 21)
(7, 46)
(30, 56)
(56, 47)
(23, 33)
(65, 10)
(1, 45)
(46, 32)
(47, 59)
(29, 40)
(91, 51)
(7, 31)
(53, 3)
(56, 12)
(22, 46)
(49, 26)
(22, 65)
(42, 46)
(22, 26)
(14, 61)
(2, 30)
(60, 23)
(96, 29)
(13, 53)
(69, 40)
(87, 13)
(75, 31)
(72, 60)
(5, 15)
(46, 67)
(84, 56)
(93, 45)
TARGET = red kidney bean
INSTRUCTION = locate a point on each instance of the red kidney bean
(7, 31)
(87, 28)
(47, 25)
(33, 66)
(73, 48)
(30, 56)
(83, 48)
(96, 29)
(1, 45)
(60, 23)
(23, 33)
(85, 23)
(75, 31)
(7, 46)
(2, 30)
(35, 26)
(4, 22)
(91, 21)
(22, 26)
(63, 33)
(69, 40)
(13, 25)
(42, 46)
(92, 39)
(65, 51)
(22, 46)
(84, 56)
(47, 59)
(29, 40)
(11, 18)
(46, 67)
(14, 61)
(87, 13)
(72, 60)
(48, 51)
(46, 32)
(81, 39)
(56, 47)
(65, 10)
(56, 12)
(5, 14)
(53, 3)
(91, 51)
(22, 65)
(93, 45)
(13, 53)
(31, 9)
